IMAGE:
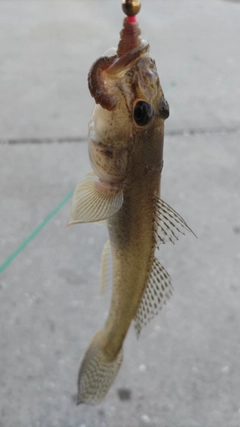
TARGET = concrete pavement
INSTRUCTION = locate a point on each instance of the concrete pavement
(184, 371)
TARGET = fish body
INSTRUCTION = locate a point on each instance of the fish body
(125, 144)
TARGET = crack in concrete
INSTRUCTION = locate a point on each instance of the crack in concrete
(79, 139)
(202, 131)
(14, 141)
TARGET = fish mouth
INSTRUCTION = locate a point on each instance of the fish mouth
(104, 72)
(107, 69)
(126, 59)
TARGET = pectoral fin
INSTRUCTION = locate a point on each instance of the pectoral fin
(168, 223)
(94, 201)
(158, 291)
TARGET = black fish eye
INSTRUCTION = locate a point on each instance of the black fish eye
(143, 113)
(164, 108)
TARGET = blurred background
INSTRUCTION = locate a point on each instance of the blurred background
(184, 371)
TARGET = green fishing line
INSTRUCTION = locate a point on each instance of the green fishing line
(35, 232)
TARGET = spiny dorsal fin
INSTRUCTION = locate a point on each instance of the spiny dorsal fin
(106, 267)
(158, 291)
(168, 223)
(93, 201)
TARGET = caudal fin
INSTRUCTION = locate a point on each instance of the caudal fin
(96, 373)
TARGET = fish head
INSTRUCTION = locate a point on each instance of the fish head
(129, 103)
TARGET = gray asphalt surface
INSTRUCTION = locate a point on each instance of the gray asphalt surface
(184, 371)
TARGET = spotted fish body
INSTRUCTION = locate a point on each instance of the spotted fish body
(126, 153)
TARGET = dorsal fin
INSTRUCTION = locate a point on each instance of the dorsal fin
(168, 224)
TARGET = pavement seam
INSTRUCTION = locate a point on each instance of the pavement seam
(47, 140)
(69, 139)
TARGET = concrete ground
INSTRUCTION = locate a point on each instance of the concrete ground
(184, 371)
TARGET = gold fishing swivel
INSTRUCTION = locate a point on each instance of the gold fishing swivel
(131, 7)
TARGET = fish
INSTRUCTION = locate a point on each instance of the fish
(125, 144)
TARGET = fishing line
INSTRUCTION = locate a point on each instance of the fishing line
(37, 230)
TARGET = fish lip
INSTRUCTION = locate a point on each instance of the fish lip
(111, 66)
(128, 58)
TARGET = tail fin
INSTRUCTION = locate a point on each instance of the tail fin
(96, 373)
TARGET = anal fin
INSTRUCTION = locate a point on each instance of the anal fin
(158, 291)
(95, 201)
(106, 267)
(168, 223)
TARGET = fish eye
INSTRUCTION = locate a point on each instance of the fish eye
(164, 108)
(143, 113)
